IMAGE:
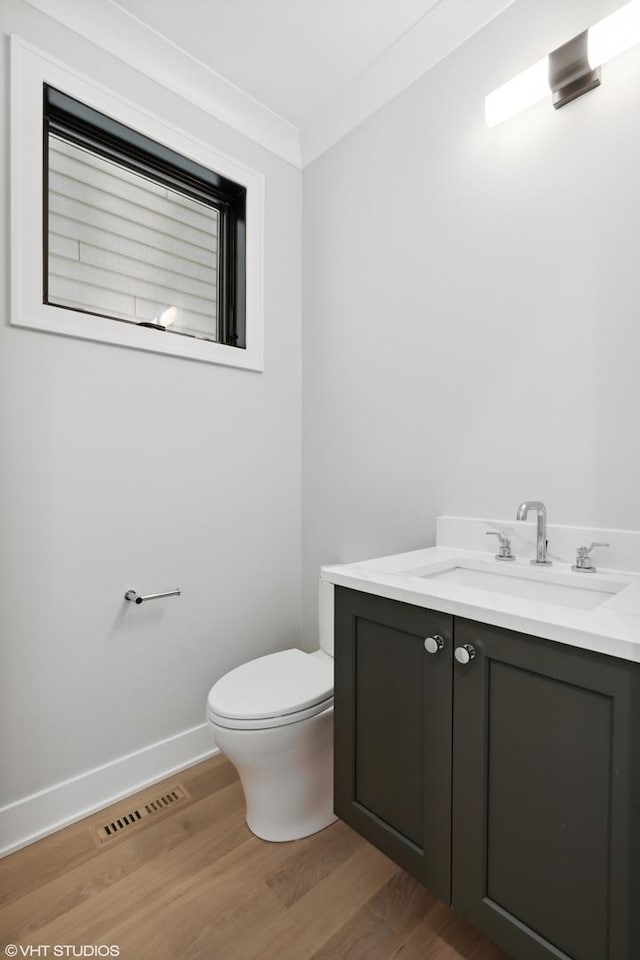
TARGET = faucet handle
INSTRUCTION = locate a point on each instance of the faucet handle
(504, 551)
(585, 551)
(583, 560)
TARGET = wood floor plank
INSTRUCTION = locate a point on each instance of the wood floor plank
(313, 863)
(39, 863)
(211, 860)
(190, 925)
(138, 894)
(41, 906)
(197, 885)
(378, 930)
(298, 932)
(235, 885)
(364, 937)
(118, 860)
(402, 903)
(443, 935)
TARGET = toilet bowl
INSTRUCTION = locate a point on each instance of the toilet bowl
(273, 719)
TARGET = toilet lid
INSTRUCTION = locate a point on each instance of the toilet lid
(272, 686)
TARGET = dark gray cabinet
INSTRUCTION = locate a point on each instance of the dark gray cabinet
(393, 732)
(510, 785)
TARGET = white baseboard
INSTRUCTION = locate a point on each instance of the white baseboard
(49, 810)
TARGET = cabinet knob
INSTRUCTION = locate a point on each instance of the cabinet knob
(433, 644)
(465, 654)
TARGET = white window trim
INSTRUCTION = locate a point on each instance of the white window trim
(30, 69)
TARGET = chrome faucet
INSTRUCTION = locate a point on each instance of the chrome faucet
(541, 530)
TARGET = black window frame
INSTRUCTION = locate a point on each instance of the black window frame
(77, 123)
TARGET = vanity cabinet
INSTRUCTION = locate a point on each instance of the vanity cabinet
(392, 715)
(509, 784)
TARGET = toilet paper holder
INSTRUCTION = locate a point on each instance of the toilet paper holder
(136, 598)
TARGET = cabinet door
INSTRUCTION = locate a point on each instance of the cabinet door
(393, 714)
(544, 842)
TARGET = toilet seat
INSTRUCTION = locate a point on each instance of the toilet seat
(272, 691)
(266, 723)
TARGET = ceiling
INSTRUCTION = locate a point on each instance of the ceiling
(291, 55)
(295, 76)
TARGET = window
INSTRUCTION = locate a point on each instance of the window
(126, 229)
(135, 232)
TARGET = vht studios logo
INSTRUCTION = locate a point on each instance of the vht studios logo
(63, 950)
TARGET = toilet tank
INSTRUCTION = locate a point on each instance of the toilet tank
(325, 616)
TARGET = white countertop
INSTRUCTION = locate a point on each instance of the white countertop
(611, 628)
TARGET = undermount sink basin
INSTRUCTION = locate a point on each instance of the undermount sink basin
(541, 585)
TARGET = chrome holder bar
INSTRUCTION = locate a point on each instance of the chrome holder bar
(136, 598)
(570, 73)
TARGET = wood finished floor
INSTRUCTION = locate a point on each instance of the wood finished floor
(196, 883)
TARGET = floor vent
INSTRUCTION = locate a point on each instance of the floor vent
(152, 808)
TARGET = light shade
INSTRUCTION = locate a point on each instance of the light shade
(605, 40)
(529, 87)
(614, 34)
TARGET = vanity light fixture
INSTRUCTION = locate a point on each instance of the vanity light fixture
(570, 70)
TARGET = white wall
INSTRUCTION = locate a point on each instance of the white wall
(129, 469)
(471, 333)
(470, 339)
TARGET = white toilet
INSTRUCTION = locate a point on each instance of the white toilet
(273, 718)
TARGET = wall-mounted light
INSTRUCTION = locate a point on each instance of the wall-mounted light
(570, 70)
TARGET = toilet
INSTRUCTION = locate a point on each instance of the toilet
(273, 719)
